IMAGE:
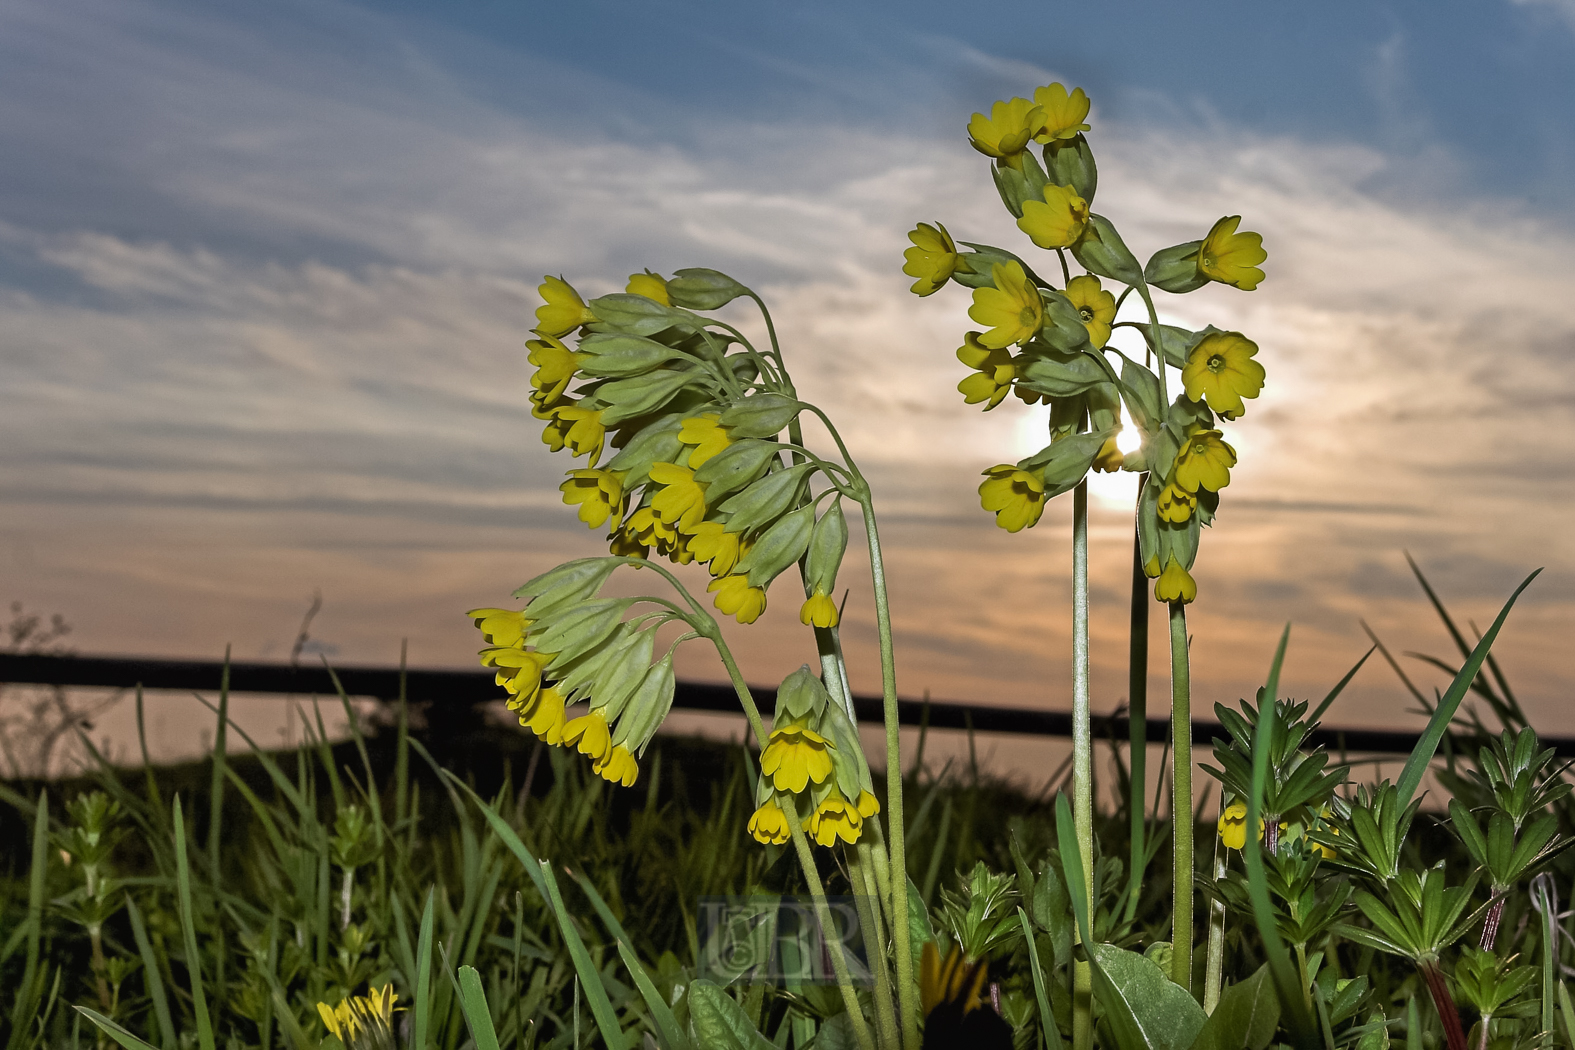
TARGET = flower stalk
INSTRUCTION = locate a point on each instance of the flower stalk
(1082, 748)
(1182, 824)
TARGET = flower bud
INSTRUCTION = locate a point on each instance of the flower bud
(647, 707)
(800, 695)
(702, 289)
(826, 546)
(735, 466)
(1019, 185)
(763, 415)
(766, 500)
(640, 315)
(616, 355)
(1175, 269)
(642, 395)
(779, 547)
(1101, 251)
(1060, 375)
(1071, 163)
(568, 584)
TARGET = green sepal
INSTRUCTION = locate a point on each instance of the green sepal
(1140, 391)
(735, 467)
(1061, 375)
(845, 751)
(975, 268)
(630, 398)
(1018, 185)
(778, 547)
(647, 707)
(580, 629)
(576, 679)
(655, 443)
(624, 355)
(569, 583)
(1175, 343)
(1102, 251)
(801, 694)
(1064, 463)
(622, 674)
(1064, 329)
(766, 499)
(698, 288)
(1070, 162)
(1175, 269)
(763, 415)
(637, 315)
(827, 544)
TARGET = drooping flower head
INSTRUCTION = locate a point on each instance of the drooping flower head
(1233, 825)
(1221, 370)
(1058, 221)
(1176, 504)
(993, 380)
(649, 285)
(503, 628)
(932, 259)
(599, 494)
(795, 756)
(617, 766)
(1175, 584)
(590, 735)
(681, 499)
(736, 598)
(835, 818)
(1063, 114)
(711, 542)
(556, 366)
(1204, 461)
(563, 311)
(544, 716)
(819, 611)
(1095, 306)
(707, 434)
(1004, 134)
(769, 824)
(1232, 258)
(1011, 310)
(1109, 458)
(1016, 496)
(580, 430)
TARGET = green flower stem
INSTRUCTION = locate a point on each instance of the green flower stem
(1181, 798)
(1082, 749)
(839, 962)
(1137, 723)
(1157, 345)
(862, 879)
(1214, 978)
(907, 988)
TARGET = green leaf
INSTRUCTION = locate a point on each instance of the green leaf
(672, 1036)
(114, 1031)
(155, 980)
(1449, 703)
(719, 1022)
(473, 1001)
(1047, 1025)
(1140, 1000)
(199, 1001)
(837, 1034)
(421, 1015)
(1247, 1015)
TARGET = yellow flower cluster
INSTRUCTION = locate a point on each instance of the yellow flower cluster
(371, 1015)
(802, 767)
(1050, 115)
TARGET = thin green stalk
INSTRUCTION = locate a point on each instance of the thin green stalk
(907, 988)
(863, 884)
(839, 963)
(1181, 798)
(1082, 751)
(1214, 977)
(1137, 724)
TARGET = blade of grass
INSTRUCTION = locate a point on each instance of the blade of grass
(1393, 663)
(421, 1015)
(473, 1002)
(155, 800)
(1293, 997)
(199, 1002)
(401, 744)
(27, 1000)
(113, 1030)
(1047, 1025)
(216, 785)
(1340, 687)
(151, 974)
(673, 1037)
(1416, 765)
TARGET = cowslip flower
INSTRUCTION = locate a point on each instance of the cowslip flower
(1016, 496)
(736, 598)
(519, 670)
(563, 311)
(1233, 825)
(544, 716)
(1204, 461)
(624, 542)
(1057, 221)
(1221, 370)
(1109, 458)
(681, 500)
(503, 628)
(769, 824)
(599, 494)
(932, 259)
(819, 611)
(1063, 114)
(835, 818)
(1232, 258)
(710, 541)
(1095, 306)
(645, 529)
(578, 429)
(993, 380)
(1004, 134)
(556, 366)
(1011, 310)
(707, 434)
(649, 285)
(617, 766)
(1176, 504)
(1175, 584)
(589, 735)
(795, 756)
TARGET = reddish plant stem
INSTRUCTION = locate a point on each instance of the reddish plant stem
(1444, 1003)
(1271, 834)
(1490, 924)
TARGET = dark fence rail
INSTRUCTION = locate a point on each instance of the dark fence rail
(469, 688)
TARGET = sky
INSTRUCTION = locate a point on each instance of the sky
(266, 273)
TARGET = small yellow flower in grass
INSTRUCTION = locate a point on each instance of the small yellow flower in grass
(563, 311)
(555, 365)
(993, 380)
(835, 818)
(589, 735)
(1064, 114)
(736, 598)
(1109, 457)
(378, 1004)
(578, 429)
(1204, 461)
(544, 716)
(599, 494)
(769, 824)
(504, 628)
(1175, 584)
(1094, 305)
(341, 1021)
(710, 541)
(1230, 257)
(819, 611)
(617, 766)
(1016, 496)
(932, 259)
(795, 756)
(1176, 504)
(681, 501)
(1233, 825)
(707, 434)
(1004, 134)
(649, 285)
(1221, 370)
(1012, 309)
(1057, 221)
